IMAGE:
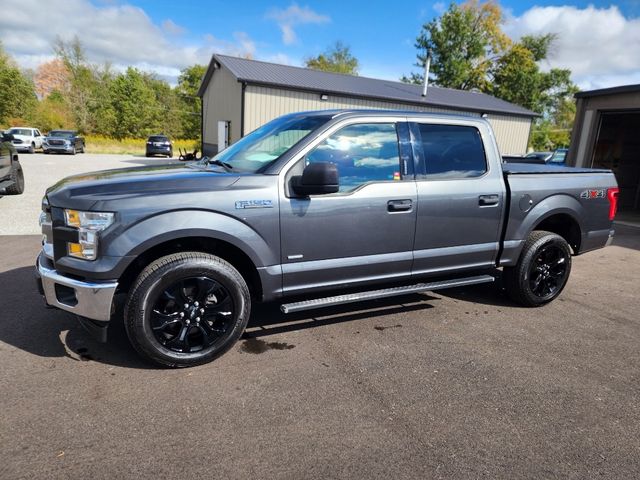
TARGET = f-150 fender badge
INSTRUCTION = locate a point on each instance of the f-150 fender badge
(589, 194)
(240, 204)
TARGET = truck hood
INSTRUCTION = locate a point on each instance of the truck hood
(86, 191)
(24, 138)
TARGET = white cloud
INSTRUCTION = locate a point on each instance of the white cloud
(119, 33)
(439, 7)
(173, 28)
(599, 45)
(293, 16)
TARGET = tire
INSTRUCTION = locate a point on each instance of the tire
(164, 306)
(82, 148)
(17, 179)
(170, 155)
(32, 148)
(542, 270)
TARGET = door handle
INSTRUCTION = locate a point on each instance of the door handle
(399, 205)
(488, 200)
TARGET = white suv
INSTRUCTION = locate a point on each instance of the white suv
(26, 139)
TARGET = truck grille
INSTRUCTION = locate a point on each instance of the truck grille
(55, 142)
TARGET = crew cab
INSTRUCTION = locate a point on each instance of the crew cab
(26, 139)
(312, 209)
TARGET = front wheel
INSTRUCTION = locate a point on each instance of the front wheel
(32, 148)
(187, 309)
(542, 270)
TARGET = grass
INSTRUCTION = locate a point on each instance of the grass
(131, 146)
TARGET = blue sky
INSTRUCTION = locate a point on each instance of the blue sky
(599, 41)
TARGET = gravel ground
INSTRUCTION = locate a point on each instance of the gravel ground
(19, 213)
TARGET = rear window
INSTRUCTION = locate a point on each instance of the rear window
(452, 151)
(158, 138)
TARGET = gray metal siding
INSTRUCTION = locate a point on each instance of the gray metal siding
(222, 100)
(263, 104)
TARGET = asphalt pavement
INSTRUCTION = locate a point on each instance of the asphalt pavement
(454, 384)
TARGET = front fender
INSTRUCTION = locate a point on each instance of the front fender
(261, 247)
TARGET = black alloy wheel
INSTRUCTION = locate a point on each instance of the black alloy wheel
(192, 314)
(186, 309)
(542, 271)
(548, 271)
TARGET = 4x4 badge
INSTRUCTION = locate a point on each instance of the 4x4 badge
(589, 194)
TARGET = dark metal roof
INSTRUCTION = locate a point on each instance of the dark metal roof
(609, 91)
(256, 72)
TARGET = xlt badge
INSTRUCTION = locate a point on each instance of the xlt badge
(254, 204)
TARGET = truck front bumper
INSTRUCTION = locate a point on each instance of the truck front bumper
(92, 300)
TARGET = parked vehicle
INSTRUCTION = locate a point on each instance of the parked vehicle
(355, 205)
(63, 141)
(26, 139)
(11, 175)
(556, 158)
(559, 157)
(159, 145)
(543, 157)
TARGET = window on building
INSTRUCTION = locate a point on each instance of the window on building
(452, 151)
(363, 153)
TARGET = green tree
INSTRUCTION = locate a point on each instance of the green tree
(17, 94)
(337, 59)
(133, 110)
(187, 90)
(463, 43)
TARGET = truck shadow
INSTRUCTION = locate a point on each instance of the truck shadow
(26, 324)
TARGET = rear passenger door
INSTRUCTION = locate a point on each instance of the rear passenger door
(460, 198)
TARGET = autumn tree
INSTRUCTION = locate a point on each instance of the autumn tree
(337, 59)
(51, 76)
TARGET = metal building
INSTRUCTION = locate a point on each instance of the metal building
(606, 134)
(239, 95)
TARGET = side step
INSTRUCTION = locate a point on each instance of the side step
(384, 293)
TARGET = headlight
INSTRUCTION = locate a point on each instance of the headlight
(89, 225)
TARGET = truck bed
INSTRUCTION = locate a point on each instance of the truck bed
(533, 168)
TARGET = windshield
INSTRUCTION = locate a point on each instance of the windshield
(20, 131)
(61, 134)
(267, 143)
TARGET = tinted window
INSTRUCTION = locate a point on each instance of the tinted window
(363, 153)
(158, 138)
(452, 151)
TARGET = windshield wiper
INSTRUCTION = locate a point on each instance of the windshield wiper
(224, 165)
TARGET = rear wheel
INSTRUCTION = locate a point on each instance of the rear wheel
(17, 179)
(542, 270)
(187, 309)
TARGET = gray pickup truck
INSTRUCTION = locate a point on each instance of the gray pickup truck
(310, 210)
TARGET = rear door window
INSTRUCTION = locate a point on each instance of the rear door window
(452, 151)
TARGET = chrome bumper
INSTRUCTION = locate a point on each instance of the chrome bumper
(86, 299)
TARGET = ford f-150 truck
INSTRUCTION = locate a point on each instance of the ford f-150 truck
(312, 209)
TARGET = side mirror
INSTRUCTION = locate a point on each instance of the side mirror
(317, 179)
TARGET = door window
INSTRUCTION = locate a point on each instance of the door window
(452, 151)
(363, 153)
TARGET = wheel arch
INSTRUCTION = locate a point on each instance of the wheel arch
(240, 260)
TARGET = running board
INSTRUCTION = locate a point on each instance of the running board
(384, 293)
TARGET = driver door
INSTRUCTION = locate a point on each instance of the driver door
(365, 232)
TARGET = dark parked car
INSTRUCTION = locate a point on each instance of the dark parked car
(159, 145)
(63, 141)
(11, 176)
